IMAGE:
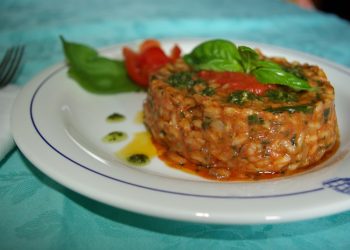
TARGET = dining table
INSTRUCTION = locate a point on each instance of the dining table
(41, 212)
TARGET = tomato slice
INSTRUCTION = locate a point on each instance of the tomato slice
(175, 53)
(149, 43)
(140, 66)
(133, 68)
(153, 57)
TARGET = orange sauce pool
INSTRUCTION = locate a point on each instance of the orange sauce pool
(236, 175)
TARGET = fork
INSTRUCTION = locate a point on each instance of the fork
(10, 64)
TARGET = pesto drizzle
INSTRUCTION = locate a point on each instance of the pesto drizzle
(307, 109)
(115, 117)
(115, 136)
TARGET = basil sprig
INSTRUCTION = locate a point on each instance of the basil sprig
(216, 55)
(95, 73)
(223, 55)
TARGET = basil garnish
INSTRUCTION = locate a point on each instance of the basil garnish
(217, 55)
(223, 55)
(274, 75)
(95, 73)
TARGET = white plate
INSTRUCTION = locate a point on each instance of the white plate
(59, 127)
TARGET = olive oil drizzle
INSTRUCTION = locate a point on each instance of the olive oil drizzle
(139, 151)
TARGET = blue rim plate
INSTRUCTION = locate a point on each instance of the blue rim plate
(58, 126)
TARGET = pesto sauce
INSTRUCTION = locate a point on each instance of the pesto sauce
(307, 109)
(241, 96)
(254, 119)
(115, 117)
(181, 79)
(184, 79)
(279, 95)
(208, 91)
(293, 140)
(115, 136)
(206, 122)
(138, 149)
(138, 159)
(326, 113)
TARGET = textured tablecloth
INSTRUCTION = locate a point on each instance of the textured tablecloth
(38, 213)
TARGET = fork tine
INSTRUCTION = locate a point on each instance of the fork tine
(11, 64)
(6, 59)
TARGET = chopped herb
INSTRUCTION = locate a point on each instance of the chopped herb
(183, 80)
(307, 109)
(206, 122)
(115, 136)
(319, 83)
(265, 142)
(278, 95)
(115, 117)
(138, 159)
(326, 113)
(318, 96)
(296, 70)
(255, 119)
(236, 150)
(293, 140)
(241, 96)
(208, 91)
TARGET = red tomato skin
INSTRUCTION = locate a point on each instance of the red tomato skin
(140, 66)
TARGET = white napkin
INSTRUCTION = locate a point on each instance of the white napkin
(7, 97)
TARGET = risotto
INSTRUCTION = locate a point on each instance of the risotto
(202, 124)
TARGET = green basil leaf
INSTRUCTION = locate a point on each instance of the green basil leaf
(222, 55)
(217, 55)
(220, 65)
(276, 75)
(95, 73)
(266, 64)
(248, 58)
(105, 84)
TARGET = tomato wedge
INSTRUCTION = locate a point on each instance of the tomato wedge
(140, 66)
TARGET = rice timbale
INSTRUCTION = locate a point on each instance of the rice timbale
(197, 118)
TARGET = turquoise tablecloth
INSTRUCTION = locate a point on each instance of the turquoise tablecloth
(38, 213)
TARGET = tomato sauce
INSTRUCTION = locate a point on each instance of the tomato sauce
(234, 81)
(236, 174)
